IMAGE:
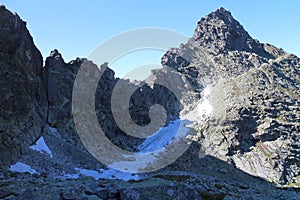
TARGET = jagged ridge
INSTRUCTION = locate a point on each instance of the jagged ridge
(253, 89)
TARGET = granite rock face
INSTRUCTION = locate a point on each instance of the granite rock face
(221, 32)
(243, 97)
(59, 77)
(23, 102)
(253, 91)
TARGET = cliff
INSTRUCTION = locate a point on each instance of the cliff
(243, 106)
(23, 102)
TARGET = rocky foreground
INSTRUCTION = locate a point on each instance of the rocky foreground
(245, 146)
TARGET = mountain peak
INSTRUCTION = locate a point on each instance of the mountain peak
(221, 14)
(221, 31)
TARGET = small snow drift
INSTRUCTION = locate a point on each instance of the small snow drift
(170, 140)
(41, 147)
(161, 138)
(21, 167)
(205, 108)
(104, 174)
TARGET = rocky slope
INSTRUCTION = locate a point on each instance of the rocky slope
(22, 104)
(244, 104)
(58, 78)
(253, 89)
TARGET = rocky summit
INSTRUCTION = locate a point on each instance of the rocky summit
(253, 89)
(242, 104)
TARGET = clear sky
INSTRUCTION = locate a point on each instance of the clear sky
(76, 27)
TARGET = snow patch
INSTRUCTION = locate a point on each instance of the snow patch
(104, 174)
(205, 108)
(134, 163)
(21, 167)
(41, 147)
(115, 174)
(161, 138)
(71, 176)
(152, 147)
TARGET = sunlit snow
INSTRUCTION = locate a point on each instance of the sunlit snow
(161, 138)
(205, 108)
(153, 146)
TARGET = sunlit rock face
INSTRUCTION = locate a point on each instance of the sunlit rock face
(250, 104)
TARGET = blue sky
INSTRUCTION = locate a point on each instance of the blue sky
(76, 27)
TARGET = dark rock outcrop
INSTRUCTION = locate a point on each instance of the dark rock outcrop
(59, 77)
(23, 100)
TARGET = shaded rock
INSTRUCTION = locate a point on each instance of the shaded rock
(27, 194)
(93, 197)
(59, 77)
(5, 193)
(103, 193)
(23, 99)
